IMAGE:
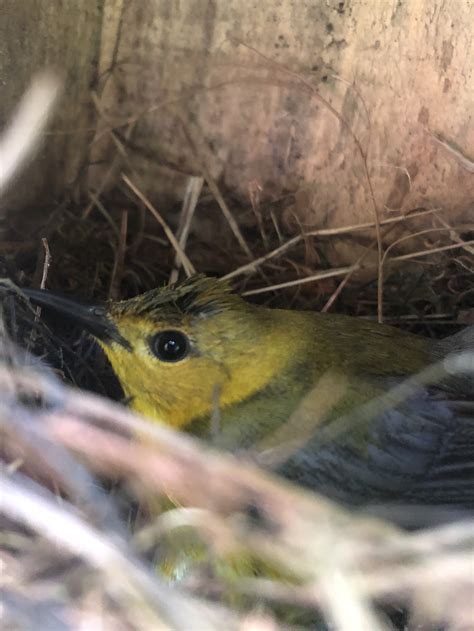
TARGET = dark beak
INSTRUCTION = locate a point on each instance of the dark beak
(92, 318)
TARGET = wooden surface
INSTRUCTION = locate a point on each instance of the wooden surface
(398, 74)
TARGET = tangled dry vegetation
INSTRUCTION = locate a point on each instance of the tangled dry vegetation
(80, 544)
(71, 560)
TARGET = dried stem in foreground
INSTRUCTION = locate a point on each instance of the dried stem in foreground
(342, 565)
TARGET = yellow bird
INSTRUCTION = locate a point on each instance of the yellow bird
(316, 397)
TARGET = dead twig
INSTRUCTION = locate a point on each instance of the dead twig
(323, 232)
(191, 197)
(186, 263)
(349, 269)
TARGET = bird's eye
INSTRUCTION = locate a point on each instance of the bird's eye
(170, 346)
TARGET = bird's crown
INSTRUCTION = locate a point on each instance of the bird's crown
(198, 296)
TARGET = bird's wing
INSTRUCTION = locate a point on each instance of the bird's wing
(418, 453)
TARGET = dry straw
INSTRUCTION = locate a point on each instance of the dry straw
(342, 564)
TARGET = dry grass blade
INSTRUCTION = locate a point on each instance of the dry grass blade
(341, 271)
(191, 197)
(186, 263)
(22, 136)
(234, 226)
(456, 364)
(119, 258)
(227, 213)
(454, 235)
(116, 161)
(342, 563)
(460, 242)
(420, 233)
(324, 232)
(56, 465)
(148, 603)
(346, 606)
(463, 160)
(21, 611)
(427, 252)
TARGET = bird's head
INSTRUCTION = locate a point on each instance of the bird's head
(182, 351)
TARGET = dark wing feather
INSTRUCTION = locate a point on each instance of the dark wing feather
(450, 478)
(420, 453)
